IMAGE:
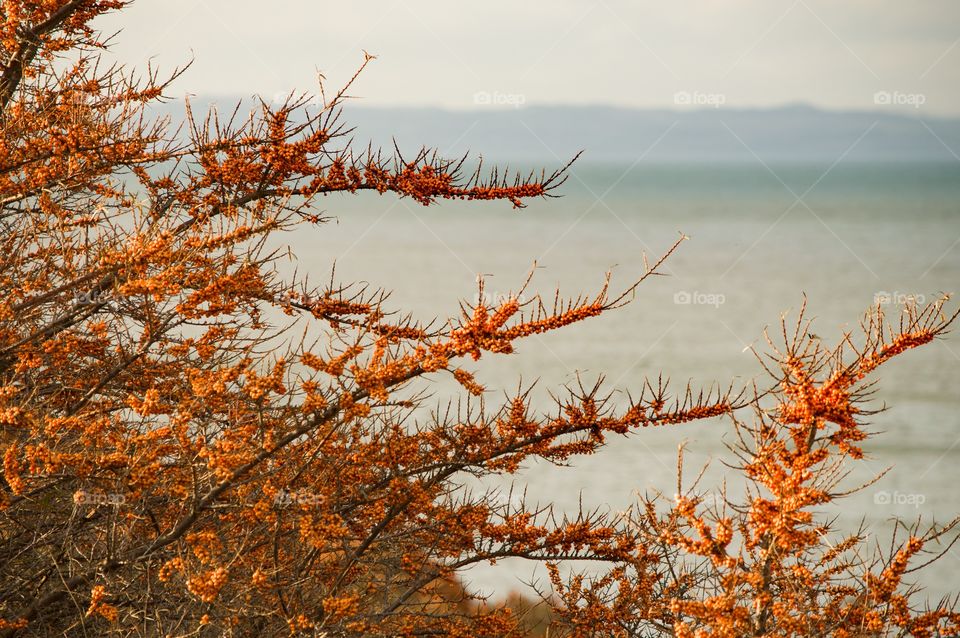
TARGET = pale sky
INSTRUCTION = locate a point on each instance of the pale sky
(852, 54)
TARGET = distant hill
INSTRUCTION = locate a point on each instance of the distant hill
(608, 134)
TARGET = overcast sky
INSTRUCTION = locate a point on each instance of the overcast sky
(854, 54)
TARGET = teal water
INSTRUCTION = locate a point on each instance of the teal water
(760, 238)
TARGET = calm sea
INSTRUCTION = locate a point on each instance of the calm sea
(760, 238)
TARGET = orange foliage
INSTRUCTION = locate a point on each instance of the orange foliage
(764, 565)
(173, 465)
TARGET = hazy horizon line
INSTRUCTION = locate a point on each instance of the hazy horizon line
(799, 105)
